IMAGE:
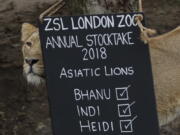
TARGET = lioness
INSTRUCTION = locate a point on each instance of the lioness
(165, 57)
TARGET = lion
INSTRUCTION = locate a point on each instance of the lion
(33, 68)
(165, 58)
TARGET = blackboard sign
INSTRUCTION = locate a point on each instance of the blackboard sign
(98, 76)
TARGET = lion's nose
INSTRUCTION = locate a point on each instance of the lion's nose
(31, 61)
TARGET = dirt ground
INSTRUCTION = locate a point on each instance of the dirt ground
(23, 109)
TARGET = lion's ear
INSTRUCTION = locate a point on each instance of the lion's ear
(26, 30)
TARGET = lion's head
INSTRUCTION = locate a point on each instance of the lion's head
(33, 67)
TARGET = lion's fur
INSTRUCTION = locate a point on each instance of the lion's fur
(31, 34)
(165, 57)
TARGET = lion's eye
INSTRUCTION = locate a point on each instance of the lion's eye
(29, 43)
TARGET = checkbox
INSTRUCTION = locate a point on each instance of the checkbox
(122, 93)
(126, 126)
(124, 110)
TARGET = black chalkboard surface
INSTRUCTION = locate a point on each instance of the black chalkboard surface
(99, 76)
